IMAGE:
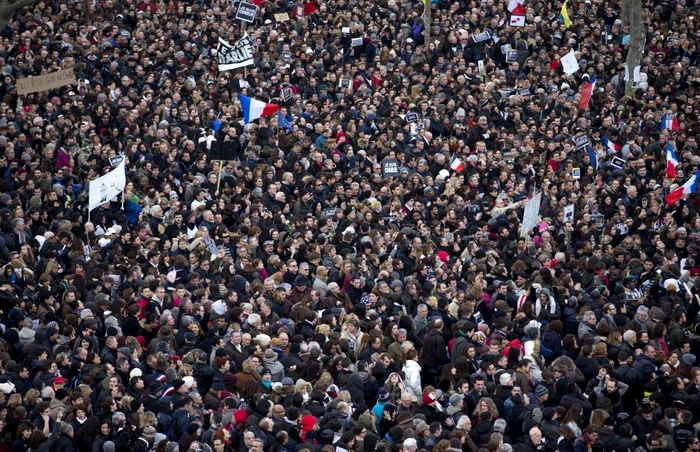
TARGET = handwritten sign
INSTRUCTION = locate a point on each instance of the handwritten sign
(45, 82)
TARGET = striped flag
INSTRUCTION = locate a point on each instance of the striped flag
(669, 122)
(614, 147)
(456, 164)
(689, 187)
(671, 161)
(254, 109)
(564, 16)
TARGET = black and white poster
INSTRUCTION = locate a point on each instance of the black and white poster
(344, 83)
(287, 93)
(511, 56)
(411, 117)
(390, 168)
(116, 160)
(581, 140)
(247, 12)
(234, 56)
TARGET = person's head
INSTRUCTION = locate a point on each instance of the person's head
(536, 436)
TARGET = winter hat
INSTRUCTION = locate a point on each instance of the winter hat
(428, 398)
(218, 385)
(541, 391)
(150, 431)
(688, 358)
(383, 395)
(240, 417)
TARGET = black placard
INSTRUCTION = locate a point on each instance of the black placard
(390, 168)
(247, 12)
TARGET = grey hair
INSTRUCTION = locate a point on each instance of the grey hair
(642, 310)
(588, 315)
(462, 422)
(629, 335)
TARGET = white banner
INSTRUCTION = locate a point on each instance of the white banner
(234, 56)
(531, 214)
(107, 187)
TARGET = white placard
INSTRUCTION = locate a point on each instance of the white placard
(107, 187)
(481, 66)
(569, 213)
(531, 214)
(356, 42)
(569, 63)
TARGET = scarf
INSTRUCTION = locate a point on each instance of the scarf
(267, 384)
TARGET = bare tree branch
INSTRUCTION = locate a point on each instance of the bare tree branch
(7, 9)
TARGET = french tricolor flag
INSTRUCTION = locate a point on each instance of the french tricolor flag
(671, 161)
(614, 147)
(689, 187)
(456, 164)
(669, 122)
(254, 109)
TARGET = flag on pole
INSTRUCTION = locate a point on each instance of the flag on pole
(671, 161)
(592, 156)
(689, 187)
(564, 16)
(254, 109)
(512, 4)
(283, 122)
(669, 122)
(517, 18)
(456, 164)
(614, 147)
(586, 94)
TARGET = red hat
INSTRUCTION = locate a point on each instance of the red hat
(695, 271)
(428, 398)
(59, 380)
(240, 416)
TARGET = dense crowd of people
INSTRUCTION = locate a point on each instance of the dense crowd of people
(300, 296)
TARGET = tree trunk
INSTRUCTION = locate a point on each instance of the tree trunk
(428, 23)
(632, 16)
(8, 9)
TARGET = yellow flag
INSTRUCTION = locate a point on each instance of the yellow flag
(564, 16)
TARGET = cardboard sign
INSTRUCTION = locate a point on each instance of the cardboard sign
(569, 63)
(344, 83)
(511, 56)
(390, 168)
(287, 94)
(45, 82)
(581, 140)
(484, 36)
(356, 42)
(247, 12)
(531, 214)
(411, 117)
(599, 220)
(569, 213)
(618, 163)
(281, 17)
(116, 160)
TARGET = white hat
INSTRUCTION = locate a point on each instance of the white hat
(136, 372)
